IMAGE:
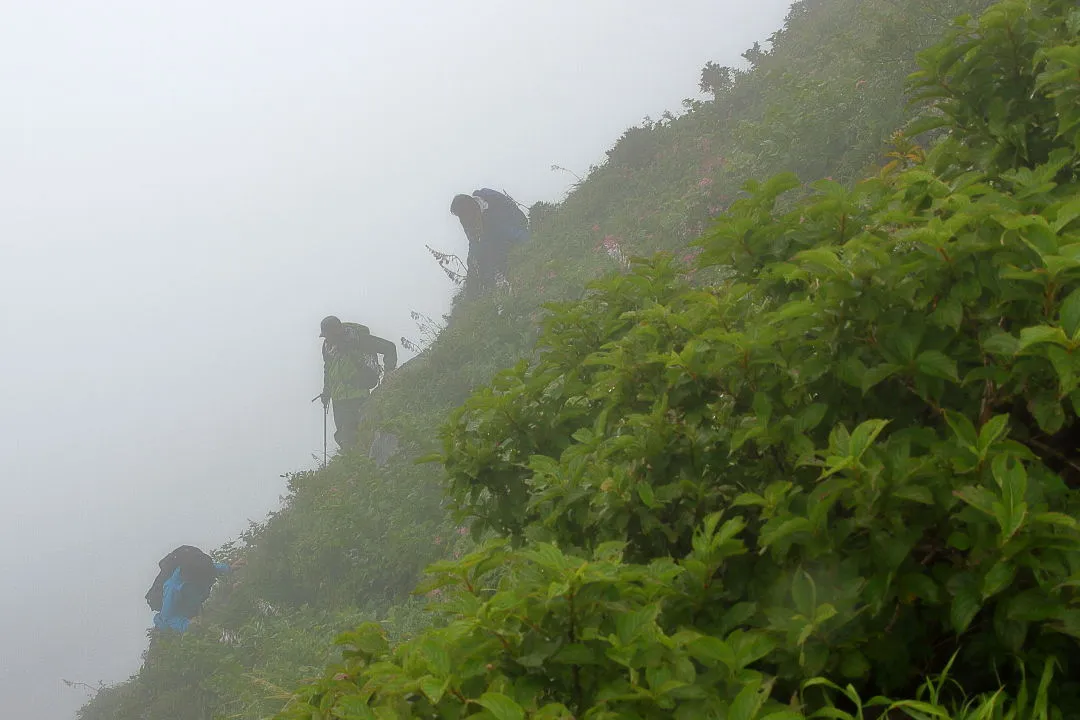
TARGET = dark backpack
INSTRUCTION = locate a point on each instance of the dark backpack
(195, 566)
(507, 206)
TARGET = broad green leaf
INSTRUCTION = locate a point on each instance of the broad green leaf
(824, 612)
(1038, 279)
(854, 665)
(1068, 212)
(961, 540)
(762, 408)
(575, 654)
(875, 375)
(1070, 313)
(964, 430)
(810, 417)
(748, 499)
(773, 532)
(713, 651)
(821, 259)
(434, 687)
(965, 606)
(353, 707)
(738, 614)
(977, 497)
(921, 586)
(998, 578)
(1039, 334)
(1011, 511)
(548, 556)
(937, 364)
(1066, 366)
(1001, 343)
(864, 435)
(543, 464)
(750, 700)
(368, 638)
(924, 124)
(915, 493)
(949, 313)
(645, 492)
(990, 432)
(1048, 412)
(436, 655)
(553, 711)
(803, 592)
(630, 625)
(1057, 519)
(750, 646)
(501, 707)
(905, 339)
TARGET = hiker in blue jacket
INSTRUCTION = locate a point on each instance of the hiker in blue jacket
(178, 593)
(494, 224)
(183, 600)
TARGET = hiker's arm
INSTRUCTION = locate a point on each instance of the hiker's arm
(471, 231)
(472, 270)
(326, 373)
(388, 350)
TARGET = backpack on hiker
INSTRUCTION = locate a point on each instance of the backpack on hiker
(510, 210)
(195, 566)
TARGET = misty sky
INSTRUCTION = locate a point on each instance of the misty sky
(186, 189)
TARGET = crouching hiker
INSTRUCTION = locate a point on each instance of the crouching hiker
(183, 584)
(494, 225)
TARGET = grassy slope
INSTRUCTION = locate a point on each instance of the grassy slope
(350, 541)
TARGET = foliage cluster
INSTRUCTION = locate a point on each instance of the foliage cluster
(855, 457)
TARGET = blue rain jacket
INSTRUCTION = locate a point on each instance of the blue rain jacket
(182, 601)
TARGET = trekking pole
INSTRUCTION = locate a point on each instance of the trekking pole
(325, 416)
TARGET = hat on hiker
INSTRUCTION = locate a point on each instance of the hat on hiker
(330, 324)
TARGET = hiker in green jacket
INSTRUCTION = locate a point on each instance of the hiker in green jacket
(350, 371)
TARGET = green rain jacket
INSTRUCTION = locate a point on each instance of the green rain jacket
(351, 368)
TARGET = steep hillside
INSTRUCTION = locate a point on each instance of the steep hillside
(838, 479)
(351, 541)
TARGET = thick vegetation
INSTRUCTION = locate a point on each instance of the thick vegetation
(832, 440)
(851, 455)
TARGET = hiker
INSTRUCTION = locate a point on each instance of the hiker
(494, 224)
(350, 371)
(185, 578)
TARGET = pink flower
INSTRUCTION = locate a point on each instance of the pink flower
(610, 243)
(463, 530)
(438, 540)
(704, 182)
(596, 227)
